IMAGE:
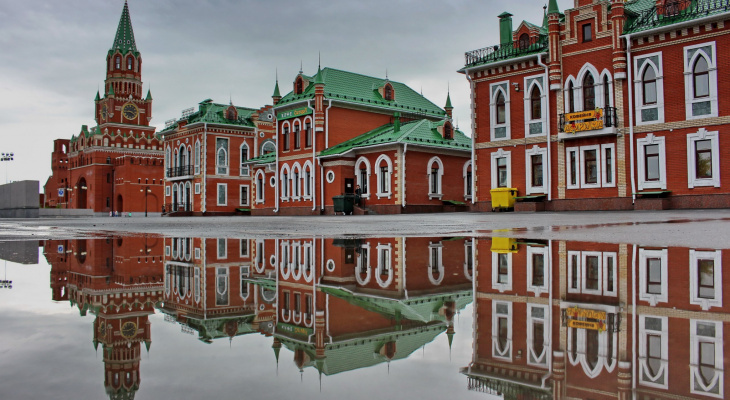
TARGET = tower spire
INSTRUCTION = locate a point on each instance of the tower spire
(124, 39)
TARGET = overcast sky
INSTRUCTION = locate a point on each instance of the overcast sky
(53, 55)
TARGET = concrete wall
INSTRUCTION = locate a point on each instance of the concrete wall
(19, 200)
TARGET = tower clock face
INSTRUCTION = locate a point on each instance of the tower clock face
(129, 330)
(130, 111)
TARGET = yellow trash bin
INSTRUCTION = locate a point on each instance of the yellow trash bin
(504, 245)
(503, 198)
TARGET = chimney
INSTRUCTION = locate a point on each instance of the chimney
(505, 28)
(396, 122)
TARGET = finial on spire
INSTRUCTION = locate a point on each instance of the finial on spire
(319, 60)
(386, 74)
(301, 66)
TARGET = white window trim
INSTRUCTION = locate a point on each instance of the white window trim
(260, 189)
(244, 271)
(245, 170)
(295, 178)
(363, 160)
(692, 180)
(219, 167)
(689, 81)
(605, 274)
(587, 68)
(439, 248)
(247, 200)
(506, 355)
(284, 189)
(538, 290)
(197, 157)
(536, 81)
(643, 368)
(694, 360)
(197, 253)
(501, 287)
(365, 249)
(494, 156)
(218, 254)
(381, 248)
(440, 191)
(640, 157)
(167, 191)
(577, 269)
(197, 188)
(307, 167)
(389, 188)
(566, 94)
(604, 169)
(218, 194)
(600, 93)
(582, 166)
(568, 173)
(651, 298)
(493, 89)
(468, 256)
(639, 88)
(467, 187)
(694, 256)
(539, 360)
(584, 274)
(535, 151)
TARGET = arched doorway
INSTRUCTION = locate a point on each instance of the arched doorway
(120, 204)
(188, 197)
(81, 193)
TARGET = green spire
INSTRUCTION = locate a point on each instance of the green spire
(124, 40)
(553, 7)
(318, 78)
(276, 89)
(149, 95)
(448, 101)
(544, 18)
(111, 90)
(97, 96)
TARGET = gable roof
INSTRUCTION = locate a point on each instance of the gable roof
(420, 132)
(361, 89)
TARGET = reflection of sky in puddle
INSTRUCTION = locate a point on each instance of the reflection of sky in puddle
(362, 318)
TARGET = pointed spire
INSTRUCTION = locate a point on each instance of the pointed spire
(276, 87)
(111, 91)
(448, 101)
(124, 39)
(318, 79)
(553, 7)
(97, 96)
(544, 17)
(149, 95)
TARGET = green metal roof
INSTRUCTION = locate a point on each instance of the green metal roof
(643, 14)
(362, 89)
(214, 113)
(215, 328)
(420, 132)
(262, 160)
(124, 39)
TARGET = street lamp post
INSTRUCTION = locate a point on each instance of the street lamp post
(6, 157)
(145, 190)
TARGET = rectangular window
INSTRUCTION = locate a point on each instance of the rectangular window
(285, 303)
(538, 270)
(654, 276)
(297, 302)
(703, 159)
(244, 158)
(244, 247)
(651, 162)
(706, 279)
(608, 165)
(197, 188)
(609, 266)
(222, 194)
(308, 304)
(592, 273)
(502, 172)
(222, 249)
(536, 170)
(573, 168)
(384, 182)
(244, 195)
(590, 166)
(587, 33)
(503, 268)
(575, 274)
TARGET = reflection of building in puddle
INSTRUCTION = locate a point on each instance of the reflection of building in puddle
(119, 281)
(592, 320)
(20, 252)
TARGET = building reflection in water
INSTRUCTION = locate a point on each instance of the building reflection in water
(559, 319)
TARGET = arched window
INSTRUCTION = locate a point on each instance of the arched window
(260, 186)
(285, 138)
(501, 108)
(130, 63)
(197, 157)
(435, 172)
(589, 92)
(535, 103)
(571, 97)
(524, 41)
(285, 182)
(606, 92)
(383, 170)
(307, 180)
(118, 62)
(388, 91)
(701, 77)
(222, 156)
(648, 85)
(267, 147)
(244, 158)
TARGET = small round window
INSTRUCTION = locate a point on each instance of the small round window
(272, 260)
(331, 265)
(330, 176)
(272, 182)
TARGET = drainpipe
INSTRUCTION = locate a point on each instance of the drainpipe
(326, 146)
(205, 166)
(549, 142)
(403, 176)
(550, 303)
(630, 82)
(314, 163)
(276, 169)
(634, 322)
(473, 143)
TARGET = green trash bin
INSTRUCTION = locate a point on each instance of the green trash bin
(344, 204)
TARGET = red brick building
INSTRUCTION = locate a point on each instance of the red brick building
(609, 105)
(561, 319)
(116, 165)
(337, 130)
(206, 155)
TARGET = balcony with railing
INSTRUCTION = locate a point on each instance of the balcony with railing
(672, 12)
(598, 122)
(506, 51)
(180, 171)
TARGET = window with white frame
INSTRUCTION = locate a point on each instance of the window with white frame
(284, 190)
(590, 166)
(197, 253)
(706, 358)
(244, 195)
(222, 194)
(221, 159)
(384, 273)
(535, 161)
(197, 188)
(703, 159)
(167, 191)
(700, 81)
(705, 278)
(502, 330)
(537, 269)
(653, 351)
(221, 286)
(592, 272)
(221, 248)
(501, 169)
(500, 110)
(649, 89)
(535, 115)
(501, 271)
(653, 278)
(244, 274)
(435, 173)
(260, 185)
(244, 157)
(538, 343)
(468, 180)
(651, 162)
(295, 182)
(384, 171)
(468, 259)
(362, 174)
(307, 180)
(435, 263)
(197, 157)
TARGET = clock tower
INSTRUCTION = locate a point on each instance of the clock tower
(123, 101)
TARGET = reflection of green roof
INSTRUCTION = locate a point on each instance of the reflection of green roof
(420, 132)
(420, 308)
(267, 283)
(363, 90)
(214, 113)
(363, 352)
(209, 329)
(642, 14)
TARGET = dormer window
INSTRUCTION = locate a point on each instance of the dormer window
(524, 41)
(671, 8)
(231, 113)
(299, 85)
(388, 92)
(448, 130)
